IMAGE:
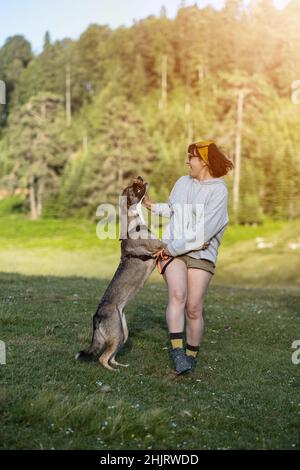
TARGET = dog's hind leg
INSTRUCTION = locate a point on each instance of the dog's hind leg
(124, 326)
(112, 347)
(115, 363)
(125, 333)
(96, 344)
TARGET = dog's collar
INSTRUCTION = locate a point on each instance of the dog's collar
(141, 257)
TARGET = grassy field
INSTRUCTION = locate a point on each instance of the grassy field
(71, 248)
(244, 393)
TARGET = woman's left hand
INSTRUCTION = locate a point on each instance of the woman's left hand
(166, 252)
(162, 254)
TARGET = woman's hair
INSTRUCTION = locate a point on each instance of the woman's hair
(218, 163)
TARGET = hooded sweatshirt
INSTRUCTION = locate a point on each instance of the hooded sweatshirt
(198, 213)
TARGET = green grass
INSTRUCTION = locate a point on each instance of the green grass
(18, 231)
(239, 233)
(71, 248)
(72, 234)
(244, 393)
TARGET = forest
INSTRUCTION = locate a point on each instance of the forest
(84, 116)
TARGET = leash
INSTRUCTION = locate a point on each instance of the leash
(160, 256)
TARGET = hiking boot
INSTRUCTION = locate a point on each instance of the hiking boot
(180, 360)
(192, 361)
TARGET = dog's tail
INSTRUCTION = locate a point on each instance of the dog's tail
(85, 354)
(96, 344)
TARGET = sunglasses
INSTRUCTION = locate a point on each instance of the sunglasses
(190, 156)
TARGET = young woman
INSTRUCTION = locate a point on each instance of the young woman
(197, 209)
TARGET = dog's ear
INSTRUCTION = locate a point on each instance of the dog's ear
(138, 181)
(139, 178)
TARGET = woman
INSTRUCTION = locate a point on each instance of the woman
(193, 237)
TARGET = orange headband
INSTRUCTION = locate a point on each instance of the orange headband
(202, 147)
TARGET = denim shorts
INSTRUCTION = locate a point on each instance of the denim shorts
(205, 264)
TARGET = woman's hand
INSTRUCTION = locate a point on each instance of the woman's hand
(163, 253)
(166, 252)
(205, 245)
(146, 202)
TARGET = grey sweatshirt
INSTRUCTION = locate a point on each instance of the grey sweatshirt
(198, 213)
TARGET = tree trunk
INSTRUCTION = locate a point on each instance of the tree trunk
(238, 149)
(2, 92)
(200, 69)
(33, 208)
(85, 143)
(164, 82)
(187, 109)
(40, 197)
(68, 95)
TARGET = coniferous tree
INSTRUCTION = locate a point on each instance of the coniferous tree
(37, 148)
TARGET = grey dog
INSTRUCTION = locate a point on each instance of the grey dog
(138, 244)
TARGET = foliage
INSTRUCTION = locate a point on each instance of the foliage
(244, 393)
(139, 95)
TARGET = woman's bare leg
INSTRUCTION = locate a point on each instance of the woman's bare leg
(198, 282)
(176, 279)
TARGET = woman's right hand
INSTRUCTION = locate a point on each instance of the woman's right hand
(205, 245)
(146, 202)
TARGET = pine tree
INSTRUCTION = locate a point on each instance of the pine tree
(37, 148)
